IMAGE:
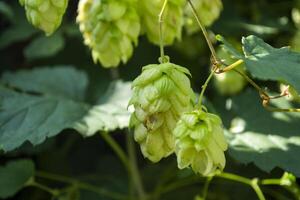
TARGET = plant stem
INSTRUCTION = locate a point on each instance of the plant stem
(253, 183)
(271, 182)
(51, 191)
(206, 186)
(203, 29)
(81, 185)
(161, 37)
(204, 88)
(117, 149)
(136, 178)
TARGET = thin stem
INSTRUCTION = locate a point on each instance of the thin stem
(234, 177)
(51, 191)
(271, 182)
(232, 66)
(203, 29)
(81, 185)
(161, 37)
(117, 149)
(136, 178)
(259, 193)
(206, 186)
(204, 87)
(257, 87)
(253, 183)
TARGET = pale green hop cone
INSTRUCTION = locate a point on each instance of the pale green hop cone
(110, 28)
(160, 94)
(207, 10)
(200, 142)
(172, 20)
(45, 14)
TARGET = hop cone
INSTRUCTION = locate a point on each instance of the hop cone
(207, 10)
(172, 19)
(160, 94)
(109, 28)
(45, 14)
(200, 142)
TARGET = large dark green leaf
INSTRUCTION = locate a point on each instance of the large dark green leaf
(14, 175)
(268, 139)
(43, 47)
(48, 100)
(268, 63)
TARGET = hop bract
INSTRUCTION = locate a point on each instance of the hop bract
(208, 11)
(172, 19)
(160, 94)
(45, 14)
(109, 28)
(200, 142)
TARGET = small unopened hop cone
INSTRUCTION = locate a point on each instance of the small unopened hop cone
(110, 28)
(160, 94)
(200, 142)
(45, 14)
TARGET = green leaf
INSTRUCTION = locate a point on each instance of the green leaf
(43, 47)
(268, 63)
(49, 100)
(14, 175)
(15, 34)
(6, 10)
(268, 139)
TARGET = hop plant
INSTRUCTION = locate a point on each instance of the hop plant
(229, 83)
(110, 28)
(208, 11)
(45, 14)
(160, 94)
(200, 142)
(172, 19)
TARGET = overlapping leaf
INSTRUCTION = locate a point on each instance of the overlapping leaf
(41, 103)
(268, 63)
(14, 175)
(267, 139)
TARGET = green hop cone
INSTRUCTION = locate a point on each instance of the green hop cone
(200, 142)
(45, 14)
(230, 82)
(207, 10)
(110, 28)
(172, 20)
(160, 94)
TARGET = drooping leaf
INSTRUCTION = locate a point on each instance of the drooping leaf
(49, 100)
(14, 175)
(268, 63)
(265, 138)
(6, 10)
(43, 47)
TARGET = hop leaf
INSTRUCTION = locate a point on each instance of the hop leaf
(200, 142)
(172, 19)
(160, 94)
(45, 14)
(109, 28)
(230, 82)
(208, 11)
